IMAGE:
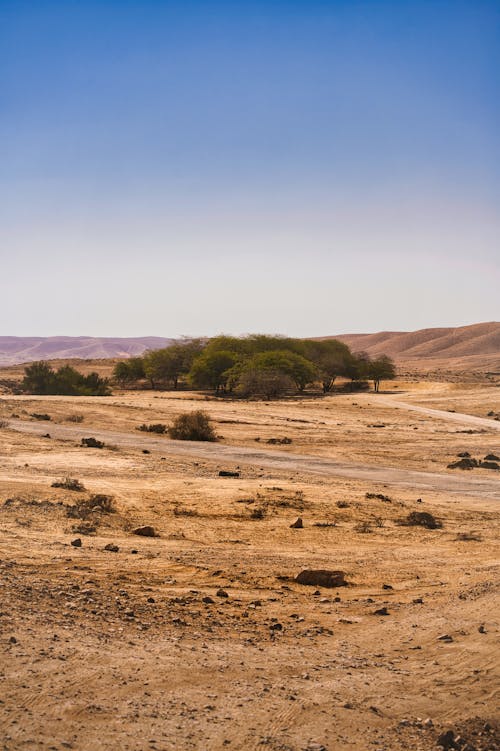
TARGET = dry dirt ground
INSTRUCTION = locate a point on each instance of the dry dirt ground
(138, 648)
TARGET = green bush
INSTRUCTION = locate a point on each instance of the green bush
(192, 426)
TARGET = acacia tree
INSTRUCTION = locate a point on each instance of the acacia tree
(332, 359)
(127, 371)
(211, 369)
(382, 368)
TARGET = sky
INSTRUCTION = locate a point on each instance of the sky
(304, 167)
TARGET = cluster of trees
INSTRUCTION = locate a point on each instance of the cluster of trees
(41, 378)
(261, 365)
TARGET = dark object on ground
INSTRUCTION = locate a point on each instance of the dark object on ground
(39, 416)
(279, 441)
(421, 519)
(46, 435)
(111, 547)
(321, 578)
(492, 458)
(468, 537)
(466, 462)
(387, 586)
(221, 593)
(297, 524)
(69, 483)
(146, 451)
(86, 507)
(463, 454)
(324, 524)
(153, 428)
(192, 426)
(228, 473)
(76, 543)
(489, 465)
(446, 740)
(381, 611)
(85, 528)
(257, 513)
(92, 443)
(145, 531)
(379, 496)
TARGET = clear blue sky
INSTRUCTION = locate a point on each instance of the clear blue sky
(305, 167)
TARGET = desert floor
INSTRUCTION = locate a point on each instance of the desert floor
(138, 648)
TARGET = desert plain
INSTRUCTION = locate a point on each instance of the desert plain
(200, 637)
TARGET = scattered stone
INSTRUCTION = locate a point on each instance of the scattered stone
(299, 524)
(12, 640)
(321, 578)
(146, 451)
(279, 441)
(490, 465)
(111, 547)
(276, 627)
(482, 629)
(209, 600)
(151, 599)
(221, 593)
(76, 543)
(146, 531)
(465, 463)
(446, 740)
(381, 611)
(492, 458)
(387, 586)
(445, 637)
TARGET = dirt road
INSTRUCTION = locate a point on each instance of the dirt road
(486, 486)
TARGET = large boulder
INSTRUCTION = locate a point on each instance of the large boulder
(321, 578)
(145, 531)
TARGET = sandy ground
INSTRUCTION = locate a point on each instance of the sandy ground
(139, 649)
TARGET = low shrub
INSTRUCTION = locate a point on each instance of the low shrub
(69, 483)
(192, 426)
(40, 416)
(75, 418)
(154, 428)
(421, 519)
(92, 443)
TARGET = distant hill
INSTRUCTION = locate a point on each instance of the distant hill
(19, 349)
(466, 348)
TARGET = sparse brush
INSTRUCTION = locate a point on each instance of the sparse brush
(4, 424)
(363, 528)
(84, 528)
(92, 443)
(192, 426)
(324, 524)
(379, 497)
(75, 418)
(469, 537)
(40, 416)
(258, 513)
(88, 506)
(69, 483)
(342, 504)
(377, 521)
(153, 428)
(421, 519)
(183, 511)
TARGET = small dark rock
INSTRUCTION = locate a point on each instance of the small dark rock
(387, 586)
(111, 547)
(221, 593)
(209, 600)
(12, 640)
(446, 740)
(227, 473)
(381, 611)
(276, 627)
(76, 543)
(297, 524)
